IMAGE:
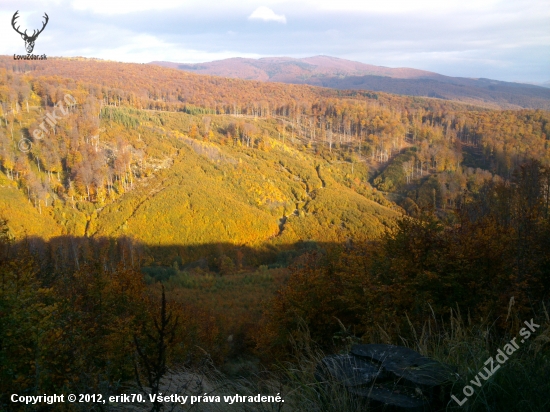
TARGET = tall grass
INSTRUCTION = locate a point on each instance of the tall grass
(521, 384)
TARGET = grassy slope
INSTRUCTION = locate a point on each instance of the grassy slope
(24, 219)
(213, 192)
(232, 194)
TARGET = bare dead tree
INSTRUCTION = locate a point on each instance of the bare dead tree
(151, 355)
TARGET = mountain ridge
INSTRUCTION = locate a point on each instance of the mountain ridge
(332, 72)
(320, 64)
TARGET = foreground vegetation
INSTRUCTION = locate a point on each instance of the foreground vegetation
(519, 384)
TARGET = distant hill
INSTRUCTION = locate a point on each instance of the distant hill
(289, 70)
(337, 73)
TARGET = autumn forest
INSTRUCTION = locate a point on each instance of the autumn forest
(154, 220)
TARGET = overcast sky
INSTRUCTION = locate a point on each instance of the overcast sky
(504, 40)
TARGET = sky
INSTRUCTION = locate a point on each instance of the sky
(504, 40)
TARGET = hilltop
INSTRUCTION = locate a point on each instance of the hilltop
(287, 69)
(344, 74)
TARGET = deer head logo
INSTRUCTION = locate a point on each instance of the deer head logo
(29, 40)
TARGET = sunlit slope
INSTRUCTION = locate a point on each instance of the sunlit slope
(24, 219)
(337, 213)
(188, 191)
(189, 204)
(221, 194)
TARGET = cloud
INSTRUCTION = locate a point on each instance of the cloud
(266, 14)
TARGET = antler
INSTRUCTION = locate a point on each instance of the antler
(15, 16)
(34, 34)
(43, 25)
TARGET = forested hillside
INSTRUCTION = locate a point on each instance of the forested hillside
(253, 210)
(127, 145)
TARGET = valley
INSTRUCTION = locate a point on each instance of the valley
(245, 225)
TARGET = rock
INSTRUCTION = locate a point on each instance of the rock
(393, 378)
(405, 363)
